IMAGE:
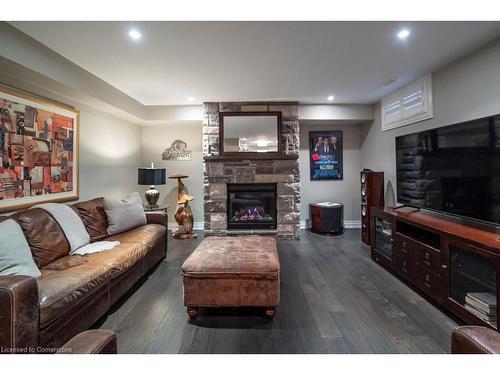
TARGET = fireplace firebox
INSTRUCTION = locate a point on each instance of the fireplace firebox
(251, 206)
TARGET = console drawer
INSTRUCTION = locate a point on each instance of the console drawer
(429, 257)
(428, 281)
(403, 247)
(404, 267)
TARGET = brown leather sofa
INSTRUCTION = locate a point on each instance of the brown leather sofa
(73, 292)
(475, 340)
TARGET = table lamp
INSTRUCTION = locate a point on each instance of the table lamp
(151, 176)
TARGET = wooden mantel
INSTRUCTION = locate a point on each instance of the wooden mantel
(257, 156)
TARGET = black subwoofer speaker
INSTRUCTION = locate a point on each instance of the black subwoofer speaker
(326, 218)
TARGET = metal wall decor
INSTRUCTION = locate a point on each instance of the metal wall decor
(177, 151)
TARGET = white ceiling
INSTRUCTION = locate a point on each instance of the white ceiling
(240, 61)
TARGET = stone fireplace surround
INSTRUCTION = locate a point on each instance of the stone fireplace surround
(282, 170)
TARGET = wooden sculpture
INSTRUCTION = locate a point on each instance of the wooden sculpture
(184, 215)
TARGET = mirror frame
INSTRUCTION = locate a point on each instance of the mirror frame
(256, 154)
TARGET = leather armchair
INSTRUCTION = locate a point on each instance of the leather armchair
(475, 340)
(97, 341)
(19, 312)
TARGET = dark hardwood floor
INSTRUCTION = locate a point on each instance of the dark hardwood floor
(334, 299)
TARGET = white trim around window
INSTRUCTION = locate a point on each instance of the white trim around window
(410, 104)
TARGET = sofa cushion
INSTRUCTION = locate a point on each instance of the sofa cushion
(150, 235)
(124, 214)
(66, 282)
(119, 259)
(15, 254)
(94, 218)
(45, 237)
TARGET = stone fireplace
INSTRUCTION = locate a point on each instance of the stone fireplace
(281, 172)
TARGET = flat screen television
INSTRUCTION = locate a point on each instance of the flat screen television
(453, 169)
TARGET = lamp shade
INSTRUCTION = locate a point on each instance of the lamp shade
(151, 176)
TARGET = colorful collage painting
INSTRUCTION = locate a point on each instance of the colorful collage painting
(37, 151)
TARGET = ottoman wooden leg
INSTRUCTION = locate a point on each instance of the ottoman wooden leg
(270, 312)
(192, 312)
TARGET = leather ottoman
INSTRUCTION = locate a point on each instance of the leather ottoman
(241, 271)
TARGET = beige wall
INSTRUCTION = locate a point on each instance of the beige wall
(110, 148)
(155, 140)
(464, 90)
(346, 191)
(110, 152)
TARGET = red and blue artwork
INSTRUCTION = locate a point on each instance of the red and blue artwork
(36, 150)
(325, 149)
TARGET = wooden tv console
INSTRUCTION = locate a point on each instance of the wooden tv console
(449, 262)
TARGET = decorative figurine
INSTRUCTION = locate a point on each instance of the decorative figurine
(184, 215)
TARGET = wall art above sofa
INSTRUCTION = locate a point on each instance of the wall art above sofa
(38, 150)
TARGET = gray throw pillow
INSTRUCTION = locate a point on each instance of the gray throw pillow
(125, 214)
(15, 254)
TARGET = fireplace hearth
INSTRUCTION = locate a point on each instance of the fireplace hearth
(251, 206)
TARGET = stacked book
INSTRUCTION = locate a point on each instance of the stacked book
(483, 305)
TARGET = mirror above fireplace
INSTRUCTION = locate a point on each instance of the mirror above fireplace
(250, 133)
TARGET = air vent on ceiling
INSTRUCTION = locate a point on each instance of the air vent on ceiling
(390, 81)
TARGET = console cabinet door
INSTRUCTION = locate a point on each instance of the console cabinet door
(382, 240)
(471, 276)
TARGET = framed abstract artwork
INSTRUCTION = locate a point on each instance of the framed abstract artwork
(38, 150)
(325, 155)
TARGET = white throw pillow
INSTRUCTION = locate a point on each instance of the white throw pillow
(15, 254)
(125, 214)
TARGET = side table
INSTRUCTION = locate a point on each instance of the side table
(160, 209)
(158, 215)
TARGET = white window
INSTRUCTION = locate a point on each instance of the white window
(412, 103)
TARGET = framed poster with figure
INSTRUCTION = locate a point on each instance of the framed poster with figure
(38, 150)
(325, 155)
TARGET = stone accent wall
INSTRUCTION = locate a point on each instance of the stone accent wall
(284, 172)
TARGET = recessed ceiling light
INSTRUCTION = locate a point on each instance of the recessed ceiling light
(134, 34)
(403, 34)
(331, 98)
(190, 98)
